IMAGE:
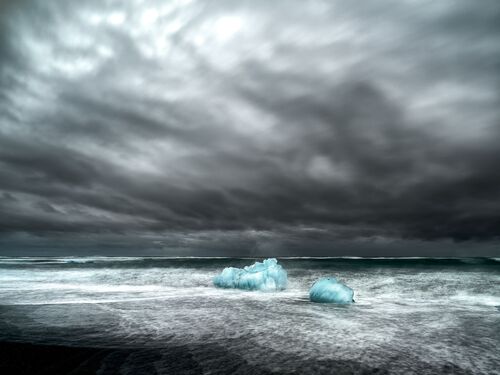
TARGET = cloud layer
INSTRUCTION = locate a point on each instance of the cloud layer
(249, 127)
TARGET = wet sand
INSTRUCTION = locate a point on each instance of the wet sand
(24, 358)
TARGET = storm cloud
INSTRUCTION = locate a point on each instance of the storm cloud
(244, 128)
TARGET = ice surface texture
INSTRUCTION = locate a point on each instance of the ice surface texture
(265, 276)
(329, 290)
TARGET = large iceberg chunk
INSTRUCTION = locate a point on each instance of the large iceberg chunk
(266, 276)
(329, 290)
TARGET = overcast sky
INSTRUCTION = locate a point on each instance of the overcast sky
(250, 127)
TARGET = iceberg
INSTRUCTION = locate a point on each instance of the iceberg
(330, 290)
(265, 276)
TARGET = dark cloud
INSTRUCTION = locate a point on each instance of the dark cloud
(303, 128)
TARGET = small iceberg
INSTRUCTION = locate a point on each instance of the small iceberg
(329, 290)
(265, 276)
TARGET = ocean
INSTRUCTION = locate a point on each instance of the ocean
(149, 315)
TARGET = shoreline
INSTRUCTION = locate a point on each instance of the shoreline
(28, 359)
(19, 358)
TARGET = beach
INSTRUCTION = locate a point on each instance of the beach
(139, 315)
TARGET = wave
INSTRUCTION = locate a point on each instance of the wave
(177, 262)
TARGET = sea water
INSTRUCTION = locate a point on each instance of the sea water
(411, 315)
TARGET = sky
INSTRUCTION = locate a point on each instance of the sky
(250, 128)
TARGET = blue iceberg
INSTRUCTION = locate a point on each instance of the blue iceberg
(265, 276)
(329, 290)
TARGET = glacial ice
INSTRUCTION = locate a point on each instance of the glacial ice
(265, 276)
(330, 290)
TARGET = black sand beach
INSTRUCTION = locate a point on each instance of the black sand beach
(30, 359)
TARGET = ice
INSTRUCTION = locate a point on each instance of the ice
(265, 276)
(329, 290)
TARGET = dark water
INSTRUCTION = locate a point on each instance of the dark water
(158, 315)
